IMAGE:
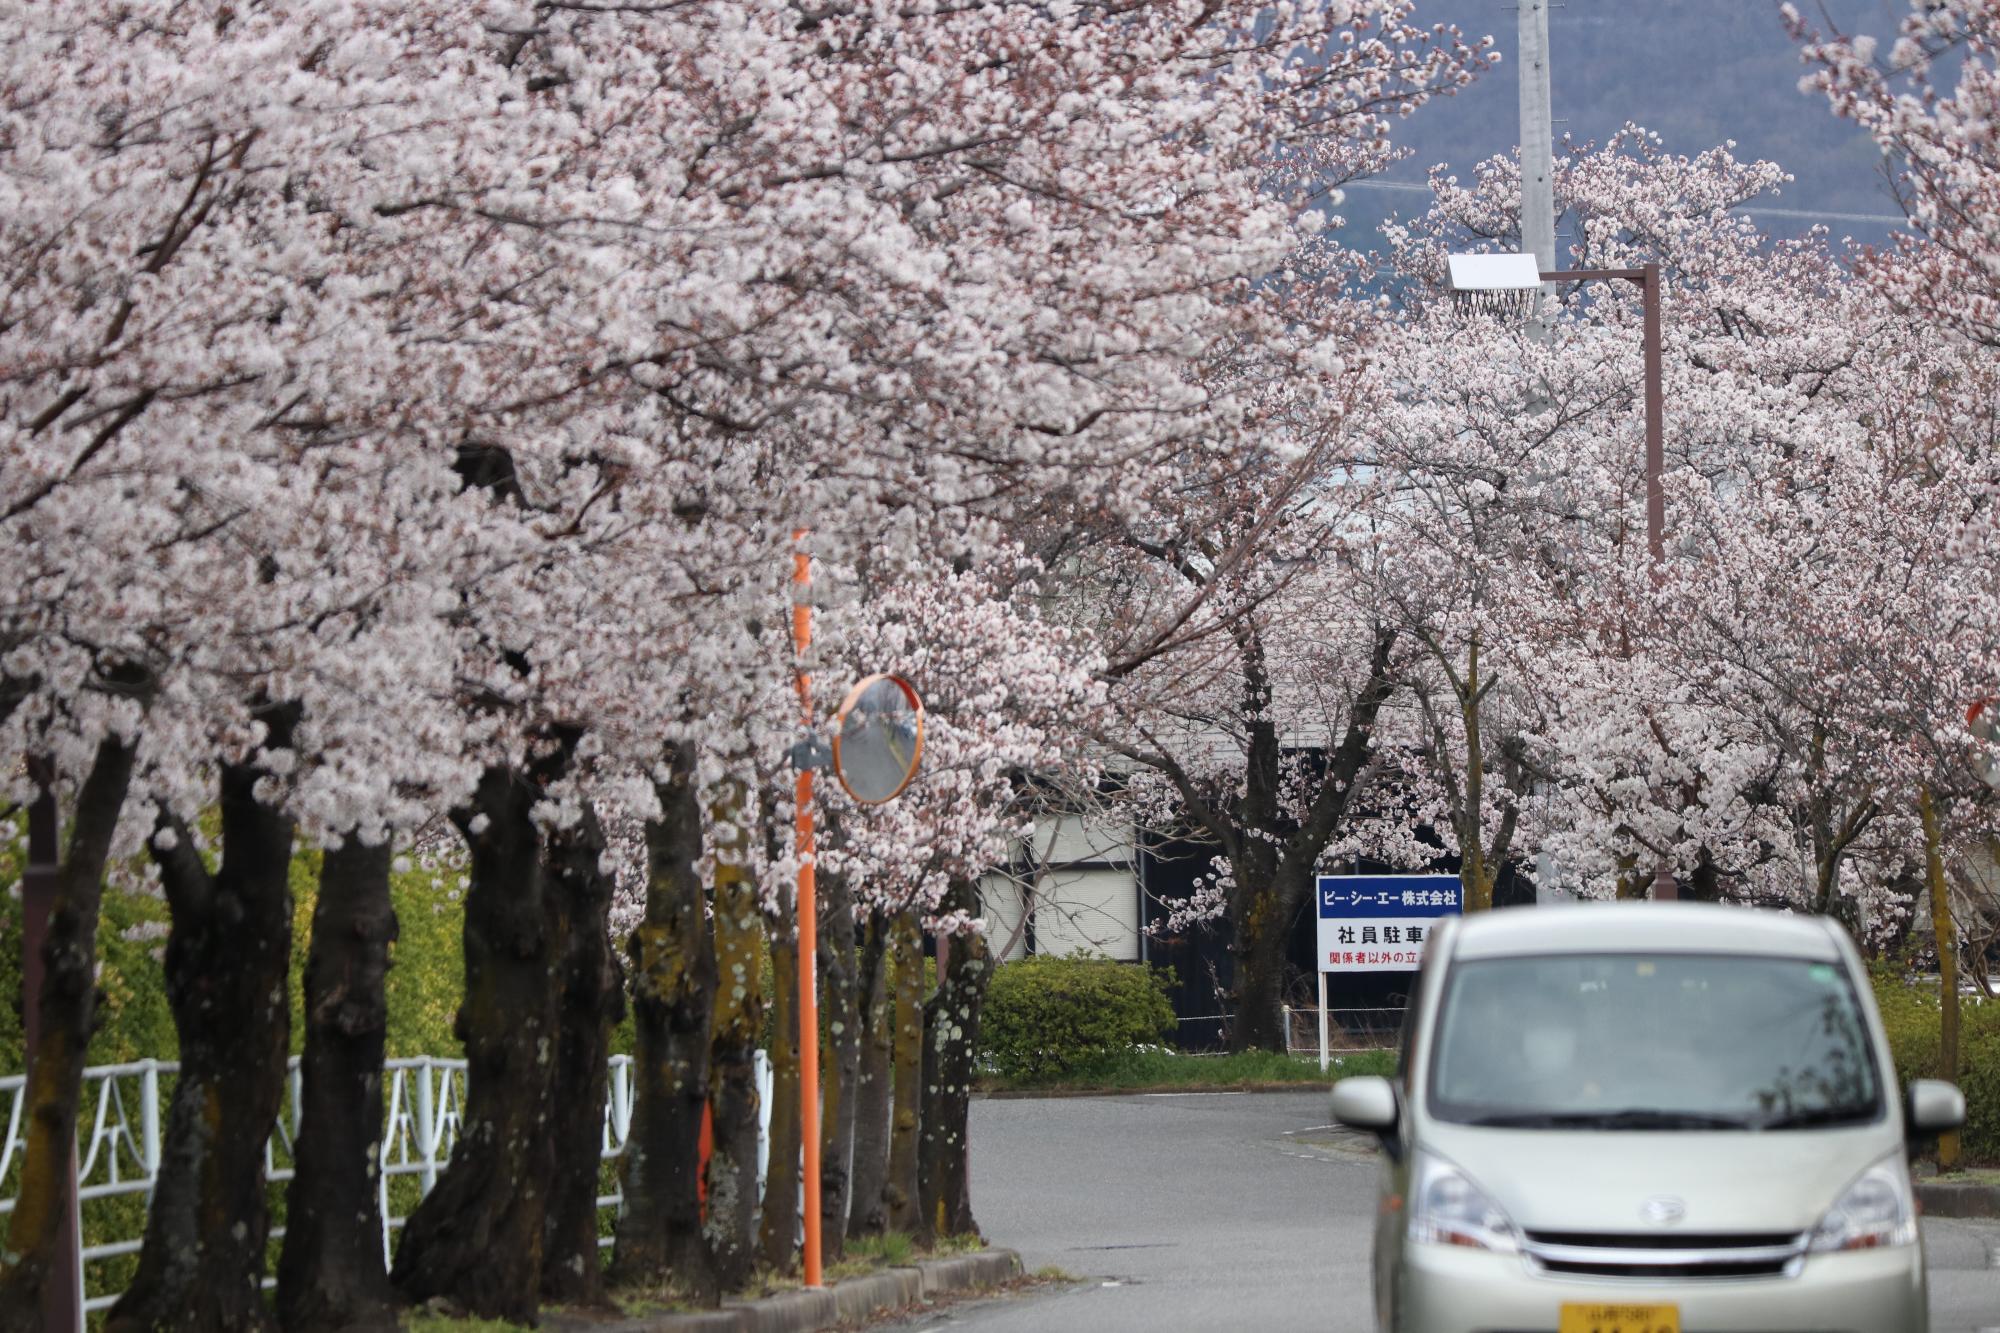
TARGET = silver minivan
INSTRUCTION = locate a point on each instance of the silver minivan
(1646, 1118)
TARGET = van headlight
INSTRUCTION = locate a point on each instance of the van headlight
(1448, 1209)
(1876, 1210)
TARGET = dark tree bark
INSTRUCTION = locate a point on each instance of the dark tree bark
(1259, 925)
(592, 1000)
(778, 1235)
(1945, 933)
(330, 1272)
(477, 1238)
(840, 1007)
(228, 956)
(738, 1025)
(951, 1045)
(673, 995)
(900, 1194)
(1273, 842)
(55, 1079)
(867, 1214)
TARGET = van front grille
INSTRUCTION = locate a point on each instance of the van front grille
(1652, 1255)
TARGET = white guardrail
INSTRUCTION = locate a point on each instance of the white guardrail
(118, 1138)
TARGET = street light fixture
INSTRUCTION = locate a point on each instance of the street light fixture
(1509, 284)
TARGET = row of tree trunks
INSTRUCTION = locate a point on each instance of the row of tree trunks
(840, 1010)
(899, 1195)
(868, 1214)
(228, 959)
(330, 1272)
(477, 1238)
(778, 1237)
(513, 1220)
(951, 1044)
(592, 1001)
(673, 977)
(730, 1225)
(67, 1002)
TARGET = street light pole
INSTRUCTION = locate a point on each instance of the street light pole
(1503, 283)
(1648, 278)
(1656, 459)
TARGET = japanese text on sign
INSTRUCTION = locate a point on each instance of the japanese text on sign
(1379, 923)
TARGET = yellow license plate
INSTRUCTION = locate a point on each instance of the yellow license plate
(1619, 1319)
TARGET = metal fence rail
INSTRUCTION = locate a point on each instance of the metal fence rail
(118, 1143)
(1347, 1029)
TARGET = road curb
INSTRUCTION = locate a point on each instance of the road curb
(851, 1300)
(1943, 1198)
(963, 1272)
(1162, 1090)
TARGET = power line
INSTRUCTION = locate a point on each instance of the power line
(1888, 219)
(1809, 214)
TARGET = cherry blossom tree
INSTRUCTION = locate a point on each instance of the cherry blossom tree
(399, 401)
(1718, 722)
(1930, 103)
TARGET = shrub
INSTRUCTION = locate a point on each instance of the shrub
(1911, 1016)
(1046, 1016)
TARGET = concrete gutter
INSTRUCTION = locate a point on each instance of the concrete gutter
(850, 1301)
(1952, 1198)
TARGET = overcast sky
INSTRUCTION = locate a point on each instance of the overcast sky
(1697, 72)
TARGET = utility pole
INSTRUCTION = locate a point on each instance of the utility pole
(1538, 203)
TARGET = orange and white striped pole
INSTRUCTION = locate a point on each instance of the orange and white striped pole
(808, 915)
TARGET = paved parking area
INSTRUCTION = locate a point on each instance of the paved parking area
(1237, 1211)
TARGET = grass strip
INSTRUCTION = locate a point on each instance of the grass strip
(1152, 1069)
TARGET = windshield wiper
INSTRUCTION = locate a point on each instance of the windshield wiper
(1632, 1118)
(1822, 1115)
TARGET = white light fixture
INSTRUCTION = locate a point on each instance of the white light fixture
(1493, 273)
(1494, 284)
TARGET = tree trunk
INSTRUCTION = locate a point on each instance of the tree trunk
(55, 1076)
(673, 996)
(330, 1272)
(900, 1195)
(951, 1045)
(732, 1077)
(228, 958)
(1947, 951)
(1475, 874)
(778, 1241)
(592, 1001)
(1260, 918)
(867, 1214)
(476, 1239)
(1704, 884)
(841, 1007)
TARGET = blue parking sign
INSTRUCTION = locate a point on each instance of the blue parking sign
(1380, 923)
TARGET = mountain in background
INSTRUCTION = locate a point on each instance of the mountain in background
(1696, 72)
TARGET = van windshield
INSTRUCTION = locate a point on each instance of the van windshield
(1652, 1041)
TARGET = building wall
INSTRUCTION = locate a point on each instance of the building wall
(1085, 892)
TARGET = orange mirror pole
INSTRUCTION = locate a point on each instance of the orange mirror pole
(808, 915)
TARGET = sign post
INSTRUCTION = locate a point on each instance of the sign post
(1322, 1020)
(1378, 923)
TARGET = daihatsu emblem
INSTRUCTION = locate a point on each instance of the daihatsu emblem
(1663, 1210)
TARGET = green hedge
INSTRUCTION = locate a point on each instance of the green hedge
(1911, 1014)
(1046, 1016)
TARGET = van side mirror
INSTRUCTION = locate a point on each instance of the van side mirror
(1367, 1102)
(1931, 1106)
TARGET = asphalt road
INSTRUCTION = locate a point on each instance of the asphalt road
(1237, 1211)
